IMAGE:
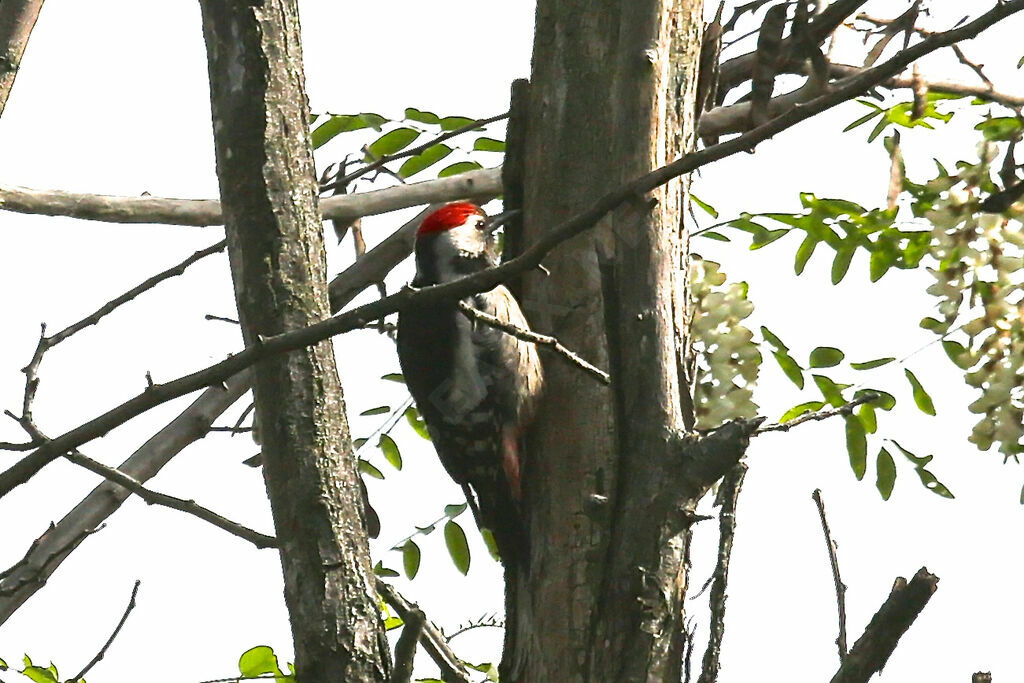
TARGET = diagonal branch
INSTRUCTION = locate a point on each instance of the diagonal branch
(433, 641)
(842, 91)
(873, 649)
(534, 338)
(840, 586)
(819, 415)
(117, 629)
(205, 212)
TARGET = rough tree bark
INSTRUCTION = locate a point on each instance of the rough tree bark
(17, 19)
(269, 196)
(611, 97)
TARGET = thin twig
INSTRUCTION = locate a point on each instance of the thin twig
(728, 495)
(485, 280)
(187, 506)
(840, 586)
(134, 292)
(818, 415)
(433, 641)
(412, 151)
(534, 338)
(117, 629)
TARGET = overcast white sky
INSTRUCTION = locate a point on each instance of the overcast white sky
(112, 98)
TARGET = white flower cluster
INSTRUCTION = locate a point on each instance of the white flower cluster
(727, 359)
(978, 282)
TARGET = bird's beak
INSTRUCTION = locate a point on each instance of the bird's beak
(496, 221)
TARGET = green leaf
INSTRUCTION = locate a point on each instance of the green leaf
(384, 572)
(453, 122)
(883, 400)
(424, 160)
(40, 675)
(886, 474)
(343, 123)
(707, 208)
(841, 263)
(411, 558)
(3, 665)
(393, 622)
(830, 390)
(389, 448)
(258, 661)
(790, 367)
(999, 128)
(415, 420)
(798, 410)
(862, 120)
(454, 510)
(804, 252)
(880, 263)
(492, 545)
(486, 144)
(957, 353)
(420, 116)
(770, 337)
(458, 546)
(379, 410)
(868, 417)
(460, 167)
(716, 236)
(369, 470)
(872, 364)
(826, 357)
(394, 377)
(921, 397)
(358, 443)
(391, 142)
(933, 484)
(856, 446)
(919, 461)
(767, 237)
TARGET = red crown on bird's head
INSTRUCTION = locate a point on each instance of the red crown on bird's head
(449, 216)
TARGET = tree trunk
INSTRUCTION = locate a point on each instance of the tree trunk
(611, 97)
(17, 18)
(269, 196)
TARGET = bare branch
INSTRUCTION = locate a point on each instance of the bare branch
(840, 586)
(818, 415)
(405, 648)
(132, 293)
(17, 19)
(873, 649)
(728, 495)
(850, 87)
(117, 629)
(433, 641)
(205, 212)
(50, 550)
(534, 338)
(21, 581)
(156, 498)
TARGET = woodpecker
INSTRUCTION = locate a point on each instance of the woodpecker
(475, 386)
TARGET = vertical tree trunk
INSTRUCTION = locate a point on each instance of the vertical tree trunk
(611, 97)
(17, 18)
(269, 196)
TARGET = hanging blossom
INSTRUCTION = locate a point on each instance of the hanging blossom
(727, 359)
(979, 282)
